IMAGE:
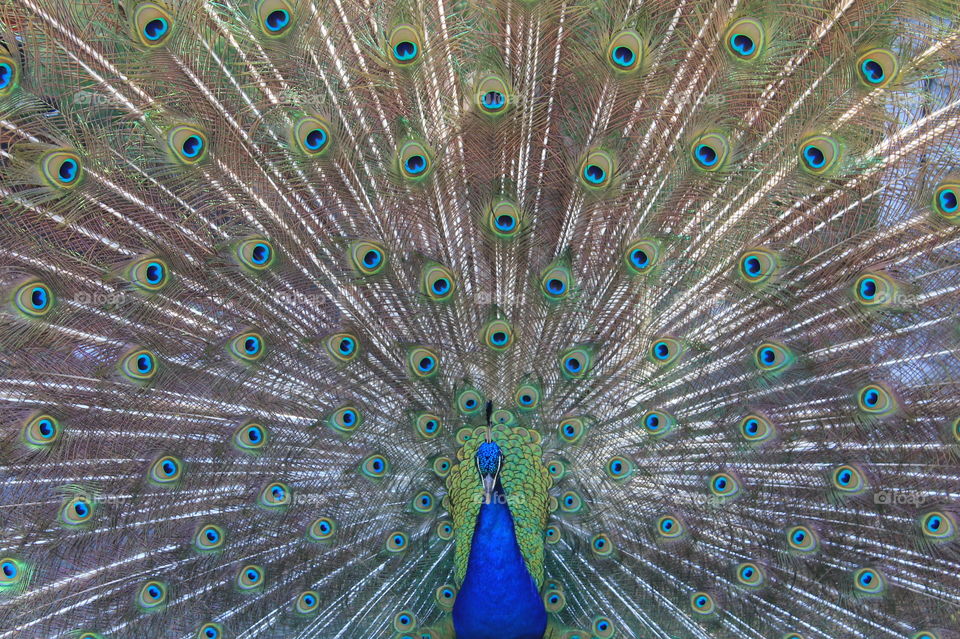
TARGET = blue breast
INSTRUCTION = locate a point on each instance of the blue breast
(498, 598)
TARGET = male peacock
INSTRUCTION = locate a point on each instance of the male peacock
(493, 319)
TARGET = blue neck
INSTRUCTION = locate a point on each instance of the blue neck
(498, 599)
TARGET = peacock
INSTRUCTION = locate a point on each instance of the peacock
(479, 319)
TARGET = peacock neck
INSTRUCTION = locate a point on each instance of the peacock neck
(499, 598)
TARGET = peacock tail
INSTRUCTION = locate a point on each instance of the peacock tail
(485, 319)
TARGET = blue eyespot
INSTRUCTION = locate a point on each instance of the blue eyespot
(6, 75)
(405, 51)
(594, 174)
(277, 20)
(868, 288)
(752, 266)
(661, 350)
(260, 254)
(68, 171)
(506, 222)
(742, 44)
(415, 164)
(948, 200)
(39, 298)
(441, 286)
(426, 364)
(652, 421)
(872, 71)
(9, 569)
(814, 156)
(46, 428)
(639, 258)
(251, 345)
(706, 155)
(155, 29)
(493, 100)
(372, 258)
(573, 364)
(315, 139)
(556, 286)
(192, 146)
(623, 56)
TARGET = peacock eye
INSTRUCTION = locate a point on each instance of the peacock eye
(427, 425)
(256, 254)
(724, 486)
(670, 527)
(757, 266)
(493, 98)
(658, 423)
(625, 51)
(250, 438)
(601, 545)
(445, 596)
(745, 39)
(405, 45)
(552, 534)
(423, 502)
(249, 578)
(497, 335)
(41, 431)
(374, 467)
(869, 582)
(642, 256)
(345, 419)
(554, 600)
(946, 201)
(396, 541)
(848, 480)
(76, 511)
(876, 400)
(709, 151)
(527, 396)
(166, 471)
(151, 24)
(576, 362)
(756, 429)
(504, 219)
(603, 628)
(321, 529)
(619, 468)
(877, 68)
(152, 595)
(819, 154)
(208, 538)
(702, 604)
(275, 495)
(445, 530)
(773, 357)
(33, 299)
(311, 136)
(750, 574)
(9, 75)
(210, 631)
(596, 170)
(803, 539)
(571, 502)
(62, 169)
(437, 282)
(665, 350)
(415, 160)
(247, 346)
(874, 290)
(938, 526)
(342, 347)
(275, 17)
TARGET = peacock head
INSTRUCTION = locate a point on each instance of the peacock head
(488, 459)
